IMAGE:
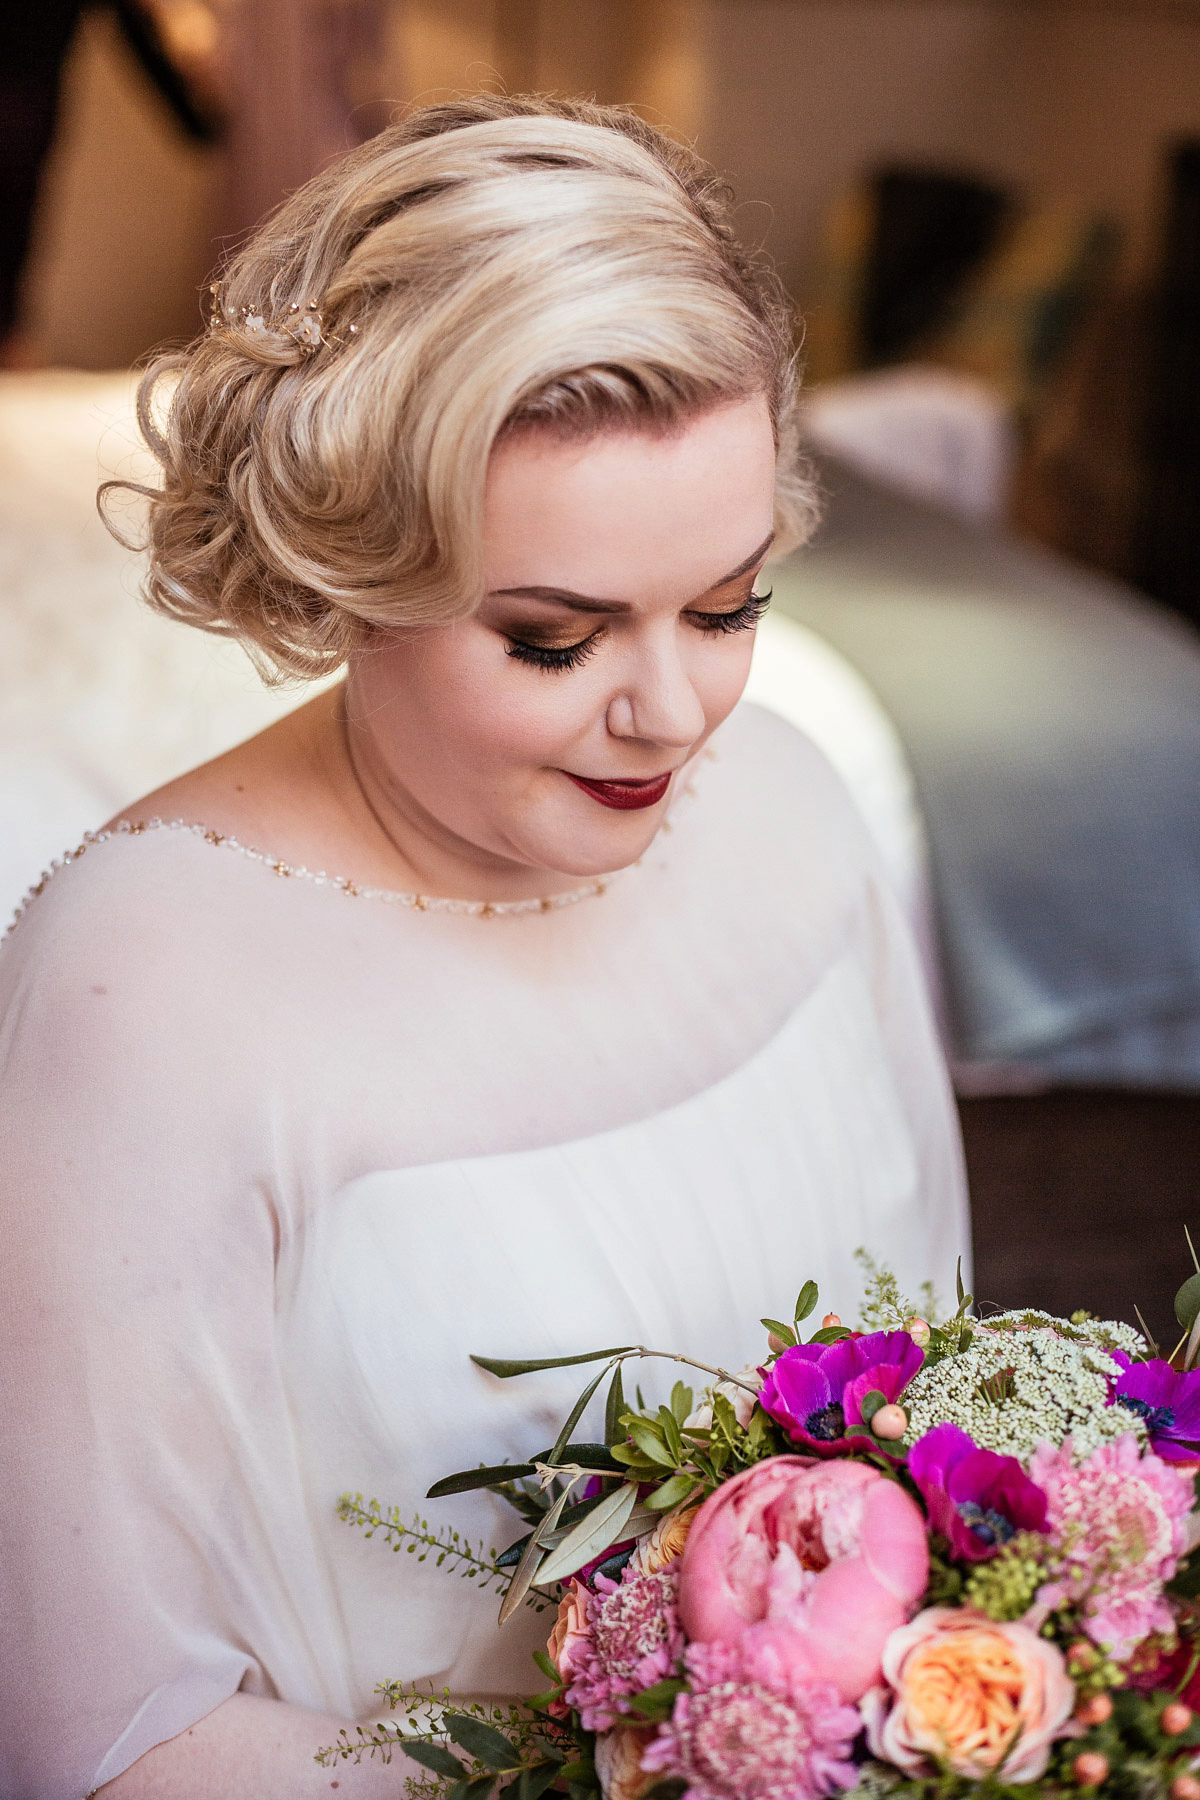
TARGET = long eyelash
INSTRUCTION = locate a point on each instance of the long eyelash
(741, 620)
(542, 656)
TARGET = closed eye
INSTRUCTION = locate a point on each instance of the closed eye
(553, 657)
(743, 618)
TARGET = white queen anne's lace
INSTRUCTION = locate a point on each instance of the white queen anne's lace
(1045, 1386)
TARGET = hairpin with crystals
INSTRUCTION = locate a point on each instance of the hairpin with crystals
(303, 325)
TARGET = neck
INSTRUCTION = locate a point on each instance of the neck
(422, 854)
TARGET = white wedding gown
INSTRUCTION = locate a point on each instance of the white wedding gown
(275, 1159)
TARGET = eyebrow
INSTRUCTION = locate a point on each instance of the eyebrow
(589, 603)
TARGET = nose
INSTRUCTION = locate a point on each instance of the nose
(657, 702)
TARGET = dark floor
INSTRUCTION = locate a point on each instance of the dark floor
(1080, 1198)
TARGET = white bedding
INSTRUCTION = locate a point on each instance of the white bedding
(100, 700)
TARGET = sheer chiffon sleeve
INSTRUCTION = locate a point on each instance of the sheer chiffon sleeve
(144, 1469)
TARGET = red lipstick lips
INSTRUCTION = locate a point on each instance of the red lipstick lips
(625, 796)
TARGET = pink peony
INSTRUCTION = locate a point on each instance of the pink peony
(833, 1552)
(966, 1693)
(750, 1729)
(1118, 1521)
(634, 1639)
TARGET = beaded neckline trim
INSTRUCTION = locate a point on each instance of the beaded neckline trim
(471, 909)
(434, 903)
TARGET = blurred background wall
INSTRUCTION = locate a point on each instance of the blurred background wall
(988, 215)
(791, 97)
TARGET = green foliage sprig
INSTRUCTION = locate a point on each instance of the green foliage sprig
(448, 1548)
(511, 1748)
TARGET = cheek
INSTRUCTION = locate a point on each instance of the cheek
(719, 674)
(465, 702)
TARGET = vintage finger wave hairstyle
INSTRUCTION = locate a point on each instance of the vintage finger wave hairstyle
(482, 266)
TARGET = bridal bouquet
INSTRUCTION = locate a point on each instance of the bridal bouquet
(912, 1559)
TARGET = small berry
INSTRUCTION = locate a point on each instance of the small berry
(1091, 1769)
(775, 1342)
(829, 1322)
(1082, 1657)
(1185, 1787)
(1176, 1718)
(918, 1331)
(1096, 1711)
(890, 1423)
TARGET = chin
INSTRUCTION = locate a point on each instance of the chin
(585, 855)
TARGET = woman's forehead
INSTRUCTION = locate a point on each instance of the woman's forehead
(590, 515)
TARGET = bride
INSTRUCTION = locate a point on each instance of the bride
(520, 994)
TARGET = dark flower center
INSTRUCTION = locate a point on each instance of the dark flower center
(1158, 1418)
(989, 1527)
(827, 1424)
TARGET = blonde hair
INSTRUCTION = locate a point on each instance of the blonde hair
(482, 266)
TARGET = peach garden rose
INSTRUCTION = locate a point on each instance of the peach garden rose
(969, 1694)
(568, 1635)
(665, 1543)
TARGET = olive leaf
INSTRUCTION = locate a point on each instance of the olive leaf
(505, 1367)
(604, 1526)
(531, 1561)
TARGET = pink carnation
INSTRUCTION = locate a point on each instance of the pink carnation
(1117, 1521)
(634, 1639)
(750, 1730)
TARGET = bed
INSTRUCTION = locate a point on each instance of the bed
(1050, 718)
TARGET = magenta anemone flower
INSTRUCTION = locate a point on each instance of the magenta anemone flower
(1168, 1401)
(816, 1391)
(977, 1499)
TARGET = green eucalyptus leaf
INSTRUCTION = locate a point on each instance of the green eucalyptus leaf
(830, 1334)
(480, 1740)
(670, 1431)
(631, 1456)
(871, 1403)
(682, 1401)
(474, 1789)
(1187, 1302)
(467, 1479)
(670, 1493)
(783, 1332)
(807, 1301)
(650, 1443)
(435, 1757)
(656, 1702)
(505, 1368)
(534, 1782)
(605, 1526)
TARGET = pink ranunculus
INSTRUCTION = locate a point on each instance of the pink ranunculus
(832, 1556)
